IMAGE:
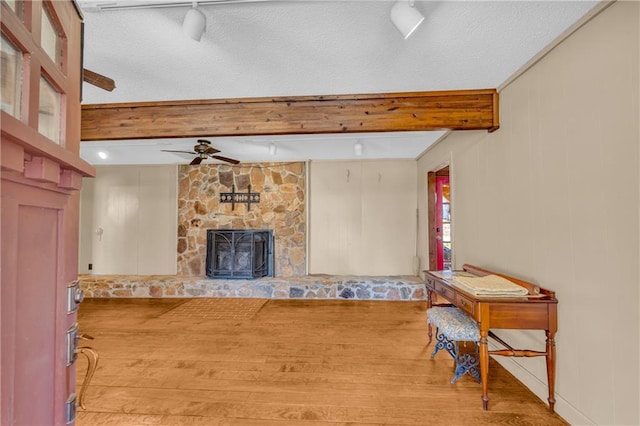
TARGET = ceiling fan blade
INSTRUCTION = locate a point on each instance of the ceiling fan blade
(98, 80)
(211, 150)
(228, 160)
(182, 152)
(196, 161)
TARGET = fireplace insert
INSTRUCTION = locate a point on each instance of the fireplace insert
(239, 253)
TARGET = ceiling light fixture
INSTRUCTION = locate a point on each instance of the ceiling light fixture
(194, 22)
(357, 149)
(405, 17)
(102, 155)
(273, 149)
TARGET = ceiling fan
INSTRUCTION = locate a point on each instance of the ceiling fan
(204, 150)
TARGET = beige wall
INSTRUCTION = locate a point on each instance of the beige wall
(362, 217)
(553, 197)
(85, 246)
(135, 206)
(369, 206)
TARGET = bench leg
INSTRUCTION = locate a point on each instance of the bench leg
(466, 363)
(443, 343)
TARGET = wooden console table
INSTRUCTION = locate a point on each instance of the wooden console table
(535, 311)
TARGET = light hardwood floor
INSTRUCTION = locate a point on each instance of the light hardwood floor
(296, 362)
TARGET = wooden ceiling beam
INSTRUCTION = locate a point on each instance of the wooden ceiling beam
(384, 112)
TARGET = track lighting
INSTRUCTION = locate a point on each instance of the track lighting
(357, 149)
(405, 17)
(194, 22)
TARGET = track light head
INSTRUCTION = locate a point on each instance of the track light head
(194, 23)
(405, 17)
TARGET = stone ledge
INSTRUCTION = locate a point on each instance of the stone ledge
(402, 287)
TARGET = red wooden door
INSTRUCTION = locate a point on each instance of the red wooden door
(41, 176)
(443, 223)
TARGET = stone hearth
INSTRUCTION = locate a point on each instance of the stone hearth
(300, 287)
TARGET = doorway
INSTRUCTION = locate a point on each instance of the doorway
(439, 218)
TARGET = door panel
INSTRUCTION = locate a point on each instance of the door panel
(35, 315)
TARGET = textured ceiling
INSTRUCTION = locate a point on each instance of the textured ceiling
(279, 48)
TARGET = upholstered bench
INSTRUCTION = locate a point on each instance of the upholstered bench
(452, 327)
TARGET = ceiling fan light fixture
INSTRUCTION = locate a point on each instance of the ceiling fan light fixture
(194, 23)
(405, 17)
(203, 150)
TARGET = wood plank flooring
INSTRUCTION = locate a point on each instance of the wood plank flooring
(276, 362)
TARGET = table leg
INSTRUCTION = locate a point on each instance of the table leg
(484, 367)
(551, 368)
(429, 305)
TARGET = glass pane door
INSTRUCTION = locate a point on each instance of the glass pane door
(49, 112)
(11, 78)
(443, 223)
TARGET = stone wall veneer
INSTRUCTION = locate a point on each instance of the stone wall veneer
(281, 209)
(302, 287)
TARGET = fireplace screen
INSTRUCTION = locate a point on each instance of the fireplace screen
(238, 253)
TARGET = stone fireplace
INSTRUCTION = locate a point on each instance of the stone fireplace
(281, 209)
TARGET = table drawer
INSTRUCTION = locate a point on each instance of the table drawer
(465, 304)
(445, 291)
